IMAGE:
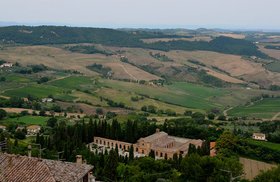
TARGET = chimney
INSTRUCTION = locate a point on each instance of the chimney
(29, 148)
(157, 130)
(79, 159)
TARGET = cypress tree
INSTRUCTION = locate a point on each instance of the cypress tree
(131, 153)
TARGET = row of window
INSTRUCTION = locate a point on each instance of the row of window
(102, 142)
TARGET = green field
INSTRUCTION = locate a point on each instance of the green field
(266, 108)
(181, 93)
(275, 66)
(273, 146)
(35, 90)
(27, 120)
(73, 82)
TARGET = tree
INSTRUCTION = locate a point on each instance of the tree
(3, 114)
(227, 141)
(131, 153)
(222, 118)
(52, 122)
(152, 154)
(111, 164)
(198, 117)
(192, 149)
(211, 116)
(99, 111)
(271, 175)
(20, 135)
(188, 113)
(42, 113)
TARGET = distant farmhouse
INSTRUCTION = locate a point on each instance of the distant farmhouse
(259, 136)
(16, 168)
(33, 129)
(163, 145)
(6, 65)
(47, 100)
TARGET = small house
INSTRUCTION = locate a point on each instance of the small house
(6, 65)
(259, 136)
(47, 100)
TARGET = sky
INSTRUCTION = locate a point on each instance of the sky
(228, 14)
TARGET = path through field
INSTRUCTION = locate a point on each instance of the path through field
(128, 72)
(226, 111)
(275, 116)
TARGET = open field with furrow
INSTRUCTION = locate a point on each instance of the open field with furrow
(252, 167)
(127, 71)
(58, 58)
(231, 64)
(187, 94)
(266, 108)
(126, 98)
(271, 52)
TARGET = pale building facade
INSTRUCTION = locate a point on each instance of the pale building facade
(259, 136)
(33, 129)
(163, 145)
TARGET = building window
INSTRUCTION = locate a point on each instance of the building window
(156, 153)
(142, 151)
(136, 149)
(161, 154)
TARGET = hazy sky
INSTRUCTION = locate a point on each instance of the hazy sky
(245, 14)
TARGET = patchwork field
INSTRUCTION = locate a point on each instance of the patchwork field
(233, 65)
(266, 108)
(58, 58)
(187, 94)
(126, 98)
(271, 52)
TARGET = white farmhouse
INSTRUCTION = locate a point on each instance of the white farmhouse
(259, 136)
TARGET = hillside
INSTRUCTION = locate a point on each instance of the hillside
(65, 35)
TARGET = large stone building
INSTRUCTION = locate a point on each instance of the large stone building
(163, 145)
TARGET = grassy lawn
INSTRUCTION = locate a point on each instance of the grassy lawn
(27, 120)
(274, 146)
(266, 108)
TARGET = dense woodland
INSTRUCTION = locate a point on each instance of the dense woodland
(66, 35)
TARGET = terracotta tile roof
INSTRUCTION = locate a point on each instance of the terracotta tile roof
(15, 168)
(155, 136)
(33, 127)
(259, 134)
(212, 145)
